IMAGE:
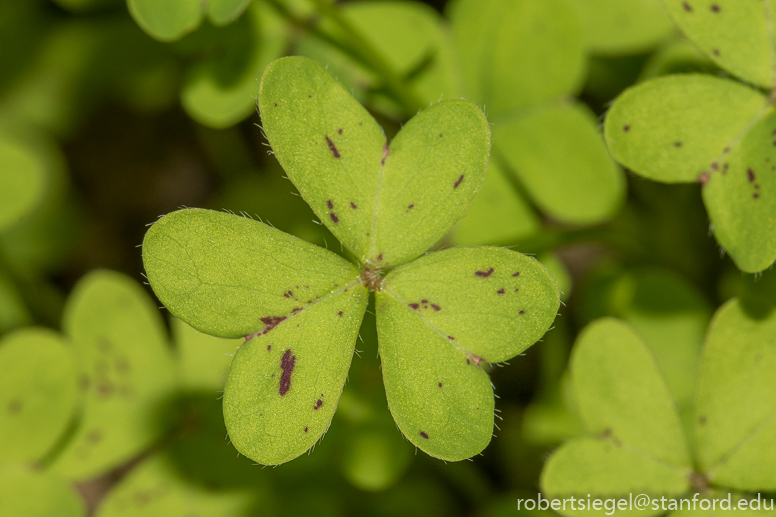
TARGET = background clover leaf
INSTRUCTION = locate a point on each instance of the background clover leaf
(736, 35)
(712, 130)
(154, 488)
(126, 370)
(39, 392)
(24, 491)
(528, 57)
(219, 91)
(733, 423)
(735, 415)
(724, 148)
(166, 21)
(636, 442)
(369, 193)
(615, 27)
(438, 318)
(22, 184)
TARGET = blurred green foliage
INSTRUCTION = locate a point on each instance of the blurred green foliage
(114, 112)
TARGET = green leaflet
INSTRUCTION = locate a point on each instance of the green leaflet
(169, 20)
(403, 32)
(30, 493)
(535, 53)
(38, 394)
(521, 59)
(557, 153)
(283, 385)
(718, 132)
(22, 183)
(677, 57)
(614, 27)
(667, 312)
(473, 23)
(154, 489)
(371, 195)
(230, 276)
(597, 467)
(498, 215)
(433, 337)
(221, 91)
(675, 128)
(735, 34)
(126, 367)
(735, 425)
(223, 12)
(742, 203)
(203, 360)
(621, 394)
(638, 443)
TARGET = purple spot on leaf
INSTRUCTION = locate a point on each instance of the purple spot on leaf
(457, 183)
(484, 274)
(332, 147)
(424, 435)
(287, 364)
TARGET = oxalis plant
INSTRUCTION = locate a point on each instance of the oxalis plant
(635, 442)
(441, 317)
(718, 131)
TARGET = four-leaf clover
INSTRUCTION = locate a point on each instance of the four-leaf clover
(440, 317)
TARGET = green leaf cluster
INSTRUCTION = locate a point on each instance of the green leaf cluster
(712, 130)
(635, 441)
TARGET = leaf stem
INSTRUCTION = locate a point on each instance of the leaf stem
(359, 49)
(394, 82)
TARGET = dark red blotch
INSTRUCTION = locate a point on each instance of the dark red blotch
(287, 363)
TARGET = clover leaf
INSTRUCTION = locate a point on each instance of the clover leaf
(523, 59)
(715, 131)
(171, 20)
(440, 318)
(126, 370)
(635, 441)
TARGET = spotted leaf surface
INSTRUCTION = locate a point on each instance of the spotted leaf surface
(742, 202)
(230, 276)
(38, 393)
(22, 183)
(735, 419)
(676, 128)
(221, 91)
(168, 20)
(736, 34)
(126, 371)
(613, 27)
(387, 204)
(283, 386)
(31, 493)
(712, 130)
(155, 488)
(558, 154)
(638, 443)
(435, 340)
